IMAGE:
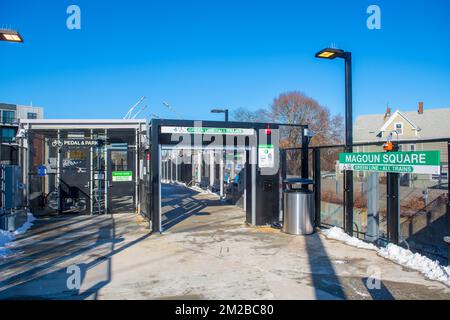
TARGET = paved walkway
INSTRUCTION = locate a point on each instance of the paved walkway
(208, 253)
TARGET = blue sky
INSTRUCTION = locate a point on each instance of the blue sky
(203, 54)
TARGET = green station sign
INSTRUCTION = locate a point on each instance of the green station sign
(120, 176)
(206, 130)
(423, 162)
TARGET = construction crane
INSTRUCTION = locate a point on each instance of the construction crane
(129, 114)
(139, 111)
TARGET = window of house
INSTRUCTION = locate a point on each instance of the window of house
(412, 147)
(8, 134)
(31, 115)
(399, 128)
(8, 116)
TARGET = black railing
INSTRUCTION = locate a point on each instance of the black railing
(335, 204)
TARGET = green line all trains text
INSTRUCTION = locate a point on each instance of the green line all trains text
(383, 168)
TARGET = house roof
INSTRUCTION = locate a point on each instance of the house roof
(432, 124)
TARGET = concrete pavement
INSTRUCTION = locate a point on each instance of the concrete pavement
(206, 252)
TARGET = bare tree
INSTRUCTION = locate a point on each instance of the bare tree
(297, 108)
(245, 115)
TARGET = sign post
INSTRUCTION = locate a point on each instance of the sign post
(393, 195)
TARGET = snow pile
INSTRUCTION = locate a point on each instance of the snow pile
(429, 268)
(7, 237)
(27, 225)
(338, 234)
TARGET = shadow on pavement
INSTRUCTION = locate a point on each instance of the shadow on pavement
(323, 275)
(183, 204)
(381, 293)
(39, 281)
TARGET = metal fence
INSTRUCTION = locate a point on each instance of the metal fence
(12, 193)
(423, 198)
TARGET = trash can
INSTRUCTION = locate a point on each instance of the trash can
(298, 207)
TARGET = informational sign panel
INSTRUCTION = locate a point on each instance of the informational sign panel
(266, 156)
(75, 143)
(42, 171)
(423, 162)
(204, 130)
(120, 176)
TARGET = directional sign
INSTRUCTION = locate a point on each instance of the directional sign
(205, 130)
(425, 162)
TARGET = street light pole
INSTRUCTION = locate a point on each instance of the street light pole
(225, 111)
(348, 179)
(331, 53)
(8, 36)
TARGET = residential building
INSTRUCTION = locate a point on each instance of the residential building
(420, 124)
(10, 116)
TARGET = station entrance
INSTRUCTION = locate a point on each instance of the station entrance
(198, 181)
(237, 161)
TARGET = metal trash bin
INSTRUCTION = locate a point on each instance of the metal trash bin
(298, 208)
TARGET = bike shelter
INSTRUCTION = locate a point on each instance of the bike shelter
(83, 166)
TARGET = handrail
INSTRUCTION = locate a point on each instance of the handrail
(373, 143)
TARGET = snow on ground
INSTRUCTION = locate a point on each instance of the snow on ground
(429, 268)
(203, 191)
(7, 237)
(337, 234)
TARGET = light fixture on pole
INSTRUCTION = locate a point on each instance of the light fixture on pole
(332, 53)
(225, 111)
(10, 35)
